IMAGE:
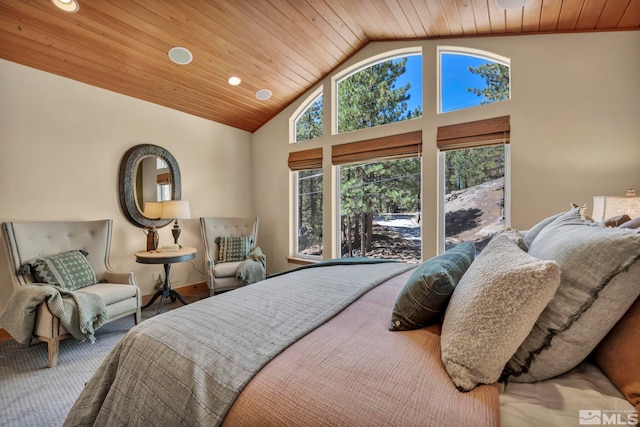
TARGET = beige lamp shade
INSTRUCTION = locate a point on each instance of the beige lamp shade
(606, 207)
(174, 209)
(152, 210)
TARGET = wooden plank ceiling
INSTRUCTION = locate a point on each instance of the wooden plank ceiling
(285, 46)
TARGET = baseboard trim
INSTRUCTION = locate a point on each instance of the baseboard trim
(195, 289)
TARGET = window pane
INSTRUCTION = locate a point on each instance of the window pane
(309, 213)
(380, 210)
(468, 81)
(474, 195)
(387, 92)
(309, 122)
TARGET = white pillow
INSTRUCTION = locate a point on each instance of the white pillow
(492, 310)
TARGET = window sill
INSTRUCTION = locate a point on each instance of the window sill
(302, 261)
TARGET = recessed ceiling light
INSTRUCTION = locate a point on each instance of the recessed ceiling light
(71, 6)
(180, 55)
(235, 81)
(510, 4)
(263, 94)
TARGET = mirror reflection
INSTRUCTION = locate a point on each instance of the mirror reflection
(153, 184)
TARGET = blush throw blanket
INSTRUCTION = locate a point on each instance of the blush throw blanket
(187, 366)
(81, 313)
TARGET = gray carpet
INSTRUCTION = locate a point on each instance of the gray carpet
(31, 394)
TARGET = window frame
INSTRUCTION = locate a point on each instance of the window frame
(465, 51)
(402, 146)
(475, 134)
(293, 120)
(369, 62)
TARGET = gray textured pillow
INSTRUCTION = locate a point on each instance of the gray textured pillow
(530, 235)
(596, 289)
(427, 292)
(492, 311)
(69, 270)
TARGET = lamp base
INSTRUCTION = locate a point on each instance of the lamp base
(175, 231)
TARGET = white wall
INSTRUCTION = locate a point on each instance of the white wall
(575, 131)
(61, 143)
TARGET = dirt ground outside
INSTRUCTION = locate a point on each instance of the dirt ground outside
(474, 214)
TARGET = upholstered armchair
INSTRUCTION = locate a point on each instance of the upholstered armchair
(221, 274)
(27, 241)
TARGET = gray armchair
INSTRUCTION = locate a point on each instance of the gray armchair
(29, 240)
(221, 276)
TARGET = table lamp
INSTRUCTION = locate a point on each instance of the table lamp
(605, 207)
(174, 209)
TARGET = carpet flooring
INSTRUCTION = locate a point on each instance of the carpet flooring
(32, 394)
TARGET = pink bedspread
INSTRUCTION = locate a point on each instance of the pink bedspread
(352, 371)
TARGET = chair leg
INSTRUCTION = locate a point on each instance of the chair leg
(53, 346)
(137, 316)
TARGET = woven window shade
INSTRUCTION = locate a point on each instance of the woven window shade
(306, 159)
(163, 178)
(395, 146)
(474, 134)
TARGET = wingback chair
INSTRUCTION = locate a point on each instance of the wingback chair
(221, 276)
(26, 241)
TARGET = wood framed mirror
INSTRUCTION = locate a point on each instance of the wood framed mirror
(148, 173)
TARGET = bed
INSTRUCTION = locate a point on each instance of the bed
(313, 347)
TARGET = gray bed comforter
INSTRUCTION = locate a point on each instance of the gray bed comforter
(187, 366)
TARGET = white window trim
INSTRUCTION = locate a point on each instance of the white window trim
(295, 220)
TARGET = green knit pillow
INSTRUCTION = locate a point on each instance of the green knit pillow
(425, 296)
(233, 248)
(69, 270)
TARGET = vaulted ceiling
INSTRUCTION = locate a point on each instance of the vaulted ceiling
(285, 46)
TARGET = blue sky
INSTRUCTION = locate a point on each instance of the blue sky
(455, 80)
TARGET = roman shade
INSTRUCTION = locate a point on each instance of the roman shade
(163, 179)
(394, 146)
(480, 133)
(306, 159)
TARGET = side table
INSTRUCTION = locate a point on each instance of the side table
(167, 258)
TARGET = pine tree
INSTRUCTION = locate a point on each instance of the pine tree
(497, 78)
(366, 99)
(309, 124)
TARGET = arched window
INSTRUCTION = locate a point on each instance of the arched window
(386, 91)
(471, 77)
(308, 124)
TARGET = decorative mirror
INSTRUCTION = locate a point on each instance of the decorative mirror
(148, 173)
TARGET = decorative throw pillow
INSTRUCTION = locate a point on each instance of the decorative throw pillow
(596, 288)
(617, 354)
(633, 224)
(69, 270)
(531, 234)
(233, 248)
(492, 311)
(617, 220)
(426, 294)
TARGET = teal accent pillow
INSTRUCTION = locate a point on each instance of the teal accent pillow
(69, 270)
(426, 294)
(233, 248)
